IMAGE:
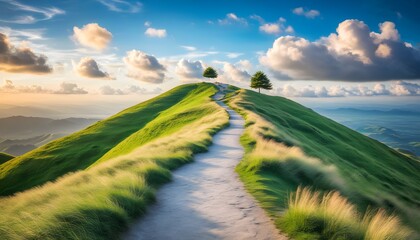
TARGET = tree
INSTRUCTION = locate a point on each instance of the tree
(210, 73)
(260, 80)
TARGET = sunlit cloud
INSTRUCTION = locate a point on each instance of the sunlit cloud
(144, 67)
(274, 28)
(93, 36)
(154, 32)
(88, 67)
(64, 88)
(232, 18)
(21, 59)
(398, 88)
(188, 70)
(354, 53)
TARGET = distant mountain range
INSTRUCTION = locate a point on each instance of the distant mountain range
(19, 134)
(369, 111)
(397, 128)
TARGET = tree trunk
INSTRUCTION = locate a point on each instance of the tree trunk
(259, 90)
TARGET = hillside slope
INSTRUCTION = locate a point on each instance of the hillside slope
(4, 157)
(100, 202)
(290, 145)
(81, 149)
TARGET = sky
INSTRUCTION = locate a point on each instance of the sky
(94, 53)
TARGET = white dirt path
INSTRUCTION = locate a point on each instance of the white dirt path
(206, 199)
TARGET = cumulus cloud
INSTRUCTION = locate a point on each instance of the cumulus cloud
(189, 70)
(41, 13)
(87, 67)
(398, 88)
(232, 18)
(21, 59)
(153, 32)
(144, 67)
(65, 88)
(93, 36)
(311, 13)
(354, 53)
(108, 90)
(121, 5)
(271, 28)
(235, 73)
(274, 28)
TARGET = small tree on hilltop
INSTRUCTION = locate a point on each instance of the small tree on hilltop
(260, 80)
(210, 73)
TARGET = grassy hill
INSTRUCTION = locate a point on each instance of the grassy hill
(4, 157)
(118, 134)
(100, 201)
(91, 184)
(288, 145)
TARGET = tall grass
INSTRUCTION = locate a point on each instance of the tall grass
(100, 202)
(313, 215)
(82, 149)
(288, 145)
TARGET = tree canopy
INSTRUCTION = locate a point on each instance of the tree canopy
(260, 80)
(210, 73)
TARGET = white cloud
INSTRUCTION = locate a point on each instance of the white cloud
(87, 67)
(402, 88)
(189, 48)
(232, 18)
(21, 59)
(245, 65)
(29, 34)
(46, 12)
(270, 28)
(398, 88)
(307, 13)
(353, 54)
(108, 90)
(274, 28)
(93, 36)
(122, 6)
(153, 32)
(234, 55)
(65, 88)
(147, 24)
(188, 70)
(234, 73)
(144, 67)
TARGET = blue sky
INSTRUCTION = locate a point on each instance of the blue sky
(316, 49)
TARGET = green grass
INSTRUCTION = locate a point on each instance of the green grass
(288, 145)
(4, 157)
(100, 202)
(82, 149)
(313, 215)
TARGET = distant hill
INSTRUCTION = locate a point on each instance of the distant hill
(4, 157)
(371, 112)
(18, 147)
(20, 127)
(397, 128)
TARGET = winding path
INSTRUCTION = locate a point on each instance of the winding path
(206, 200)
